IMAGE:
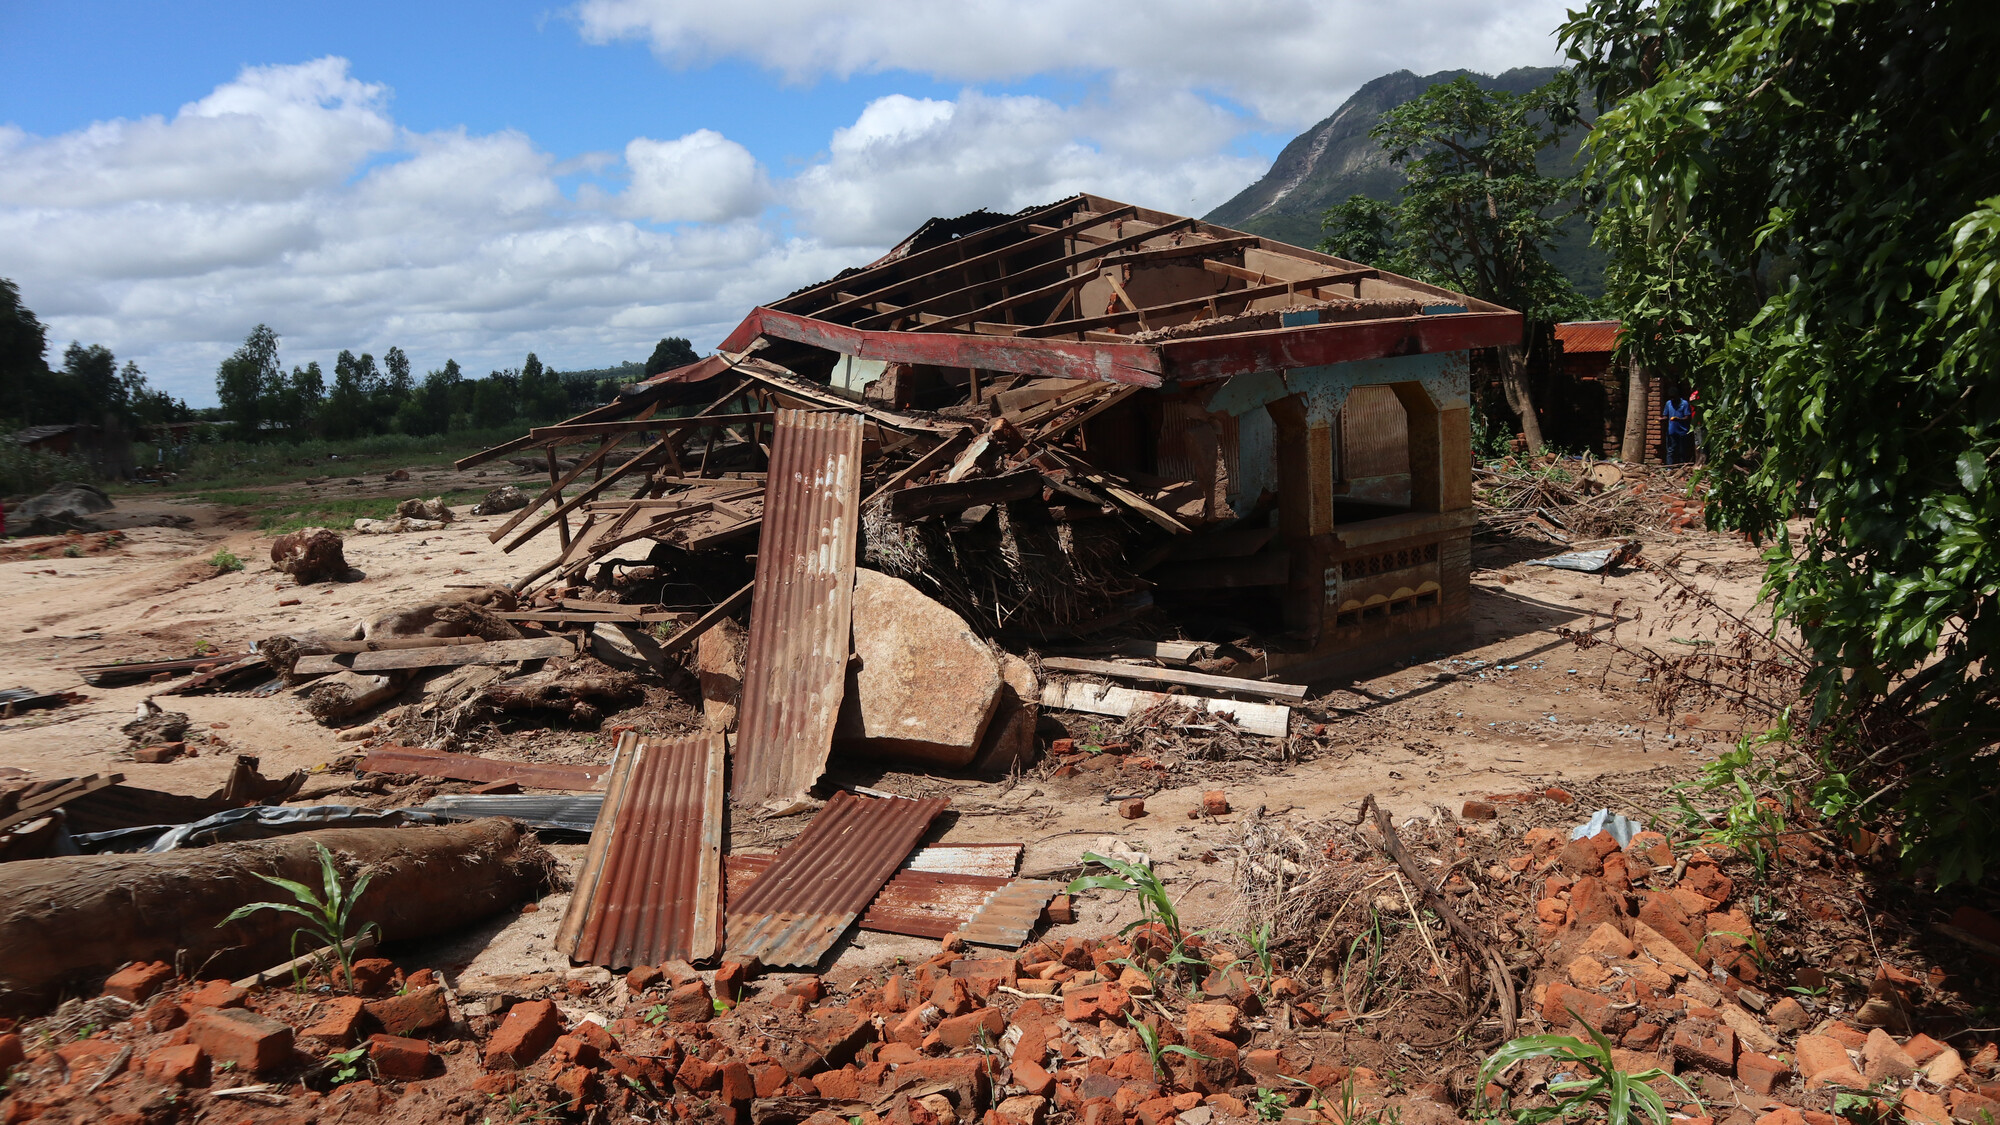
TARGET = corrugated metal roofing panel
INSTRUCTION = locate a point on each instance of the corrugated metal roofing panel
(820, 884)
(650, 888)
(795, 664)
(997, 860)
(928, 903)
(568, 814)
(1011, 914)
(1588, 336)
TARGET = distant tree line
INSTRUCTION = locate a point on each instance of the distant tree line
(89, 388)
(262, 401)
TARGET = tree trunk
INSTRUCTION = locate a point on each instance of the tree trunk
(75, 918)
(1633, 449)
(1520, 399)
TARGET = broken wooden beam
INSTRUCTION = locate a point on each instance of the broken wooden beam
(470, 767)
(938, 499)
(1140, 672)
(442, 656)
(1272, 720)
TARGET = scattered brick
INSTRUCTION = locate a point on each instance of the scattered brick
(159, 755)
(528, 1030)
(1788, 1015)
(690, 1003)
(137, 982)
(234, 1035)
(214, 994)
(1707, 1045)
(397, 1057)
(412, 1012)
(338, 1027)
(183, 1065)
(1884, 1060)
(1060, 911)
(1761, 1072)
(11, 1052)
(984, 1025)
(730, 978)
(1478, 810)
(1215, 803)
(1132, 808)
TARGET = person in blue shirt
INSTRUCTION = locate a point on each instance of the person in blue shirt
(1680, 416)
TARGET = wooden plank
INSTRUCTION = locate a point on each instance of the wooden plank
(552, 492)
(581, 498)
(1095, 408)
(613, 409)
(470, 767)
(920, 466)
(492, 652)
(585, 431)
(49, 800)
(936, 499)
(1070, 283)
(1294, 692)
(1172, 652)
(1111, 363)
(557, 617)
(1272, 720)
(1253, 293)
(1315, 345)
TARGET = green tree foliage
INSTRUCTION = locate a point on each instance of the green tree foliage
(245, 381)
(1477, 212)
(1829, 164)
(26, 387)
(672, 352)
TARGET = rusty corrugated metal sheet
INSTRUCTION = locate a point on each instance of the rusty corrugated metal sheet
(928, 903)
(1588, 336)
(795, 665)
(1011, 914)
(650, 888)
(984, 861)
(997, 860)
(819, 885)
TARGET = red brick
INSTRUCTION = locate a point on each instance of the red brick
(1817, 1053)
(159, 755)
(1593, 903)
(698, 1074)
(233, 1035)
(983, 1026)
(136, 983)
(1212, 1072)
(527, 1031)
(1478, 810)
(1157, 1111)
(214, 994)
(1672, 921)
(338, 1026)
(737, 1085)
(163, 1014)
(730, 977)
(1706, 1045)
(185, 1065)
(1783, 1115)
(406, 1015)
(397, 1057)
(372, 975)
(11, 1052)
(642, 978)
(1132, 808)
(1060, 911)
(690, 1003)
(1586, 856)
(1032, 1077)
(965, 1075)
(1761, 1072)
(569, 1050)
(578, 1087)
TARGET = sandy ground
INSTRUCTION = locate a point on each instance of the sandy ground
(1519, 709)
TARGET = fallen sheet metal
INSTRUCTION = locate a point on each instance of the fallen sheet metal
(995, 860)
(257, 822)
(1592, 562)
(650, 888)
(929, 904)
(820, 885)
(795, 664)
(470, 767)
(1272, 720)
(15, 701)
(563, 814)
(1011, 914)
(112, 675)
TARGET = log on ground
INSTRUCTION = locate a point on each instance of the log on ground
(68, 920)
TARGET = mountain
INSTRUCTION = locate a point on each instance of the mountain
(1336, 158)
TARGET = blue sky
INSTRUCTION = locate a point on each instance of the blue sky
(481, 180)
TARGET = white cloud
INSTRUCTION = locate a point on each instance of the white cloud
(1290, 61)
(703, 177)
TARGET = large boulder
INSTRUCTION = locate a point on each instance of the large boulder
(67, 506)
(310, 554)
(418, 509)
(506, 498)
(926, 688)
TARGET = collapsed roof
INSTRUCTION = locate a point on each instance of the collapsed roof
(1091, 288)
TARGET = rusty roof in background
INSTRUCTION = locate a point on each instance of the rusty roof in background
(650, 888)
(999, 860)
(929, 903)
(1588, 336)
(818, 886)
(795, 664)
